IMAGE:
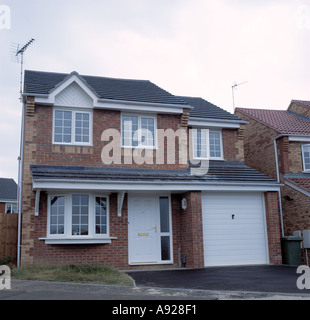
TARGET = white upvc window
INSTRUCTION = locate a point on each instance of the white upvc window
(73, 127)
(11, 208)
(207, 144)
(306, 156)
(139, 131)
(78, 216)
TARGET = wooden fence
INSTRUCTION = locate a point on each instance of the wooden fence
(8, 235)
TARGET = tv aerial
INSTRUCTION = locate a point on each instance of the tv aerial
(17, 55)
(234, 87)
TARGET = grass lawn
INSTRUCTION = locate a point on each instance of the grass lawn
(73, 273)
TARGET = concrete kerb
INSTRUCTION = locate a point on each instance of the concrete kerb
(28, 288)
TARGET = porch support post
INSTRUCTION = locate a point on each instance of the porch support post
(37, 203)
(120, 201)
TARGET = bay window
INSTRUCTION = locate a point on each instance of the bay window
(77, 216)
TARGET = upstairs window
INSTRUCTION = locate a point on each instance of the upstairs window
(72, 127)
(306, 157)
(138, 131)
(207, 144)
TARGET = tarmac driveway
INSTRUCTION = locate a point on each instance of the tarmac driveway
(267, 278)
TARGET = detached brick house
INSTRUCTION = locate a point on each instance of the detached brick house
(85, 203)
(283, 137)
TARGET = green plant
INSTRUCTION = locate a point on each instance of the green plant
(6, 261)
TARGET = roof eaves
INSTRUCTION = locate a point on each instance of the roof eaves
(186, 106)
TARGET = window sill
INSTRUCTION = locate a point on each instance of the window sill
(140, 147)
(77, 241)
(73, 144)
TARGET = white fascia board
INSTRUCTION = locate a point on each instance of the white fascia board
(117, 186)
(8, 200)
(213, 123)
(139, 106)
(298, 189)
(299, 138)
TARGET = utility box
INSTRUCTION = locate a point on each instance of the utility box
(306, 236)
(291, 250)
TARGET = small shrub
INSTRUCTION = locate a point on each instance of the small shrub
(6, 261)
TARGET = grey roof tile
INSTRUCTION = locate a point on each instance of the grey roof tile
(219, 171)
(8, 189)
(205, 109)
(37, 82)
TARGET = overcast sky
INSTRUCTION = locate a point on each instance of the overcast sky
(188, 47)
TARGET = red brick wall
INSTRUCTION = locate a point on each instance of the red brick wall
(48, 154)
(295, 212)
(258, 146)
(191, 231)
(2, 207)
(273, 227)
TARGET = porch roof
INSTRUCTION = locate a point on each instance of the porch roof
(220, 172)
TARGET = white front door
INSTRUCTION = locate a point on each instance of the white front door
(149, 229)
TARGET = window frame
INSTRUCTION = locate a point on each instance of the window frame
(209, 157)
(140, 117)
(74, 112)
(68, 217)
(303, 157)
(7, 204)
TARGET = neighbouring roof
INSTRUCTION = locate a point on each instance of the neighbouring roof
(205, 109)
(43, 83)
(284, 122)
(219, 172)
(302, 103)
(299, 180)
(8, 190)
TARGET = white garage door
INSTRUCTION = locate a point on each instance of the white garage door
(234, 229)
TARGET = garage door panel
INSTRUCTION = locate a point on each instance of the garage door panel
(234, 229)
(238, 232)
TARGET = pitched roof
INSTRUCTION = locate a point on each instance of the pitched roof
(284, 122)
(219, 171)
(43, 83)
(205, 109)
(8, 189)
(38, 82)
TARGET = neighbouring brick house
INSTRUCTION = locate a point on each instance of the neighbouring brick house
(8, 196)
(88, 197)
(287, 132)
